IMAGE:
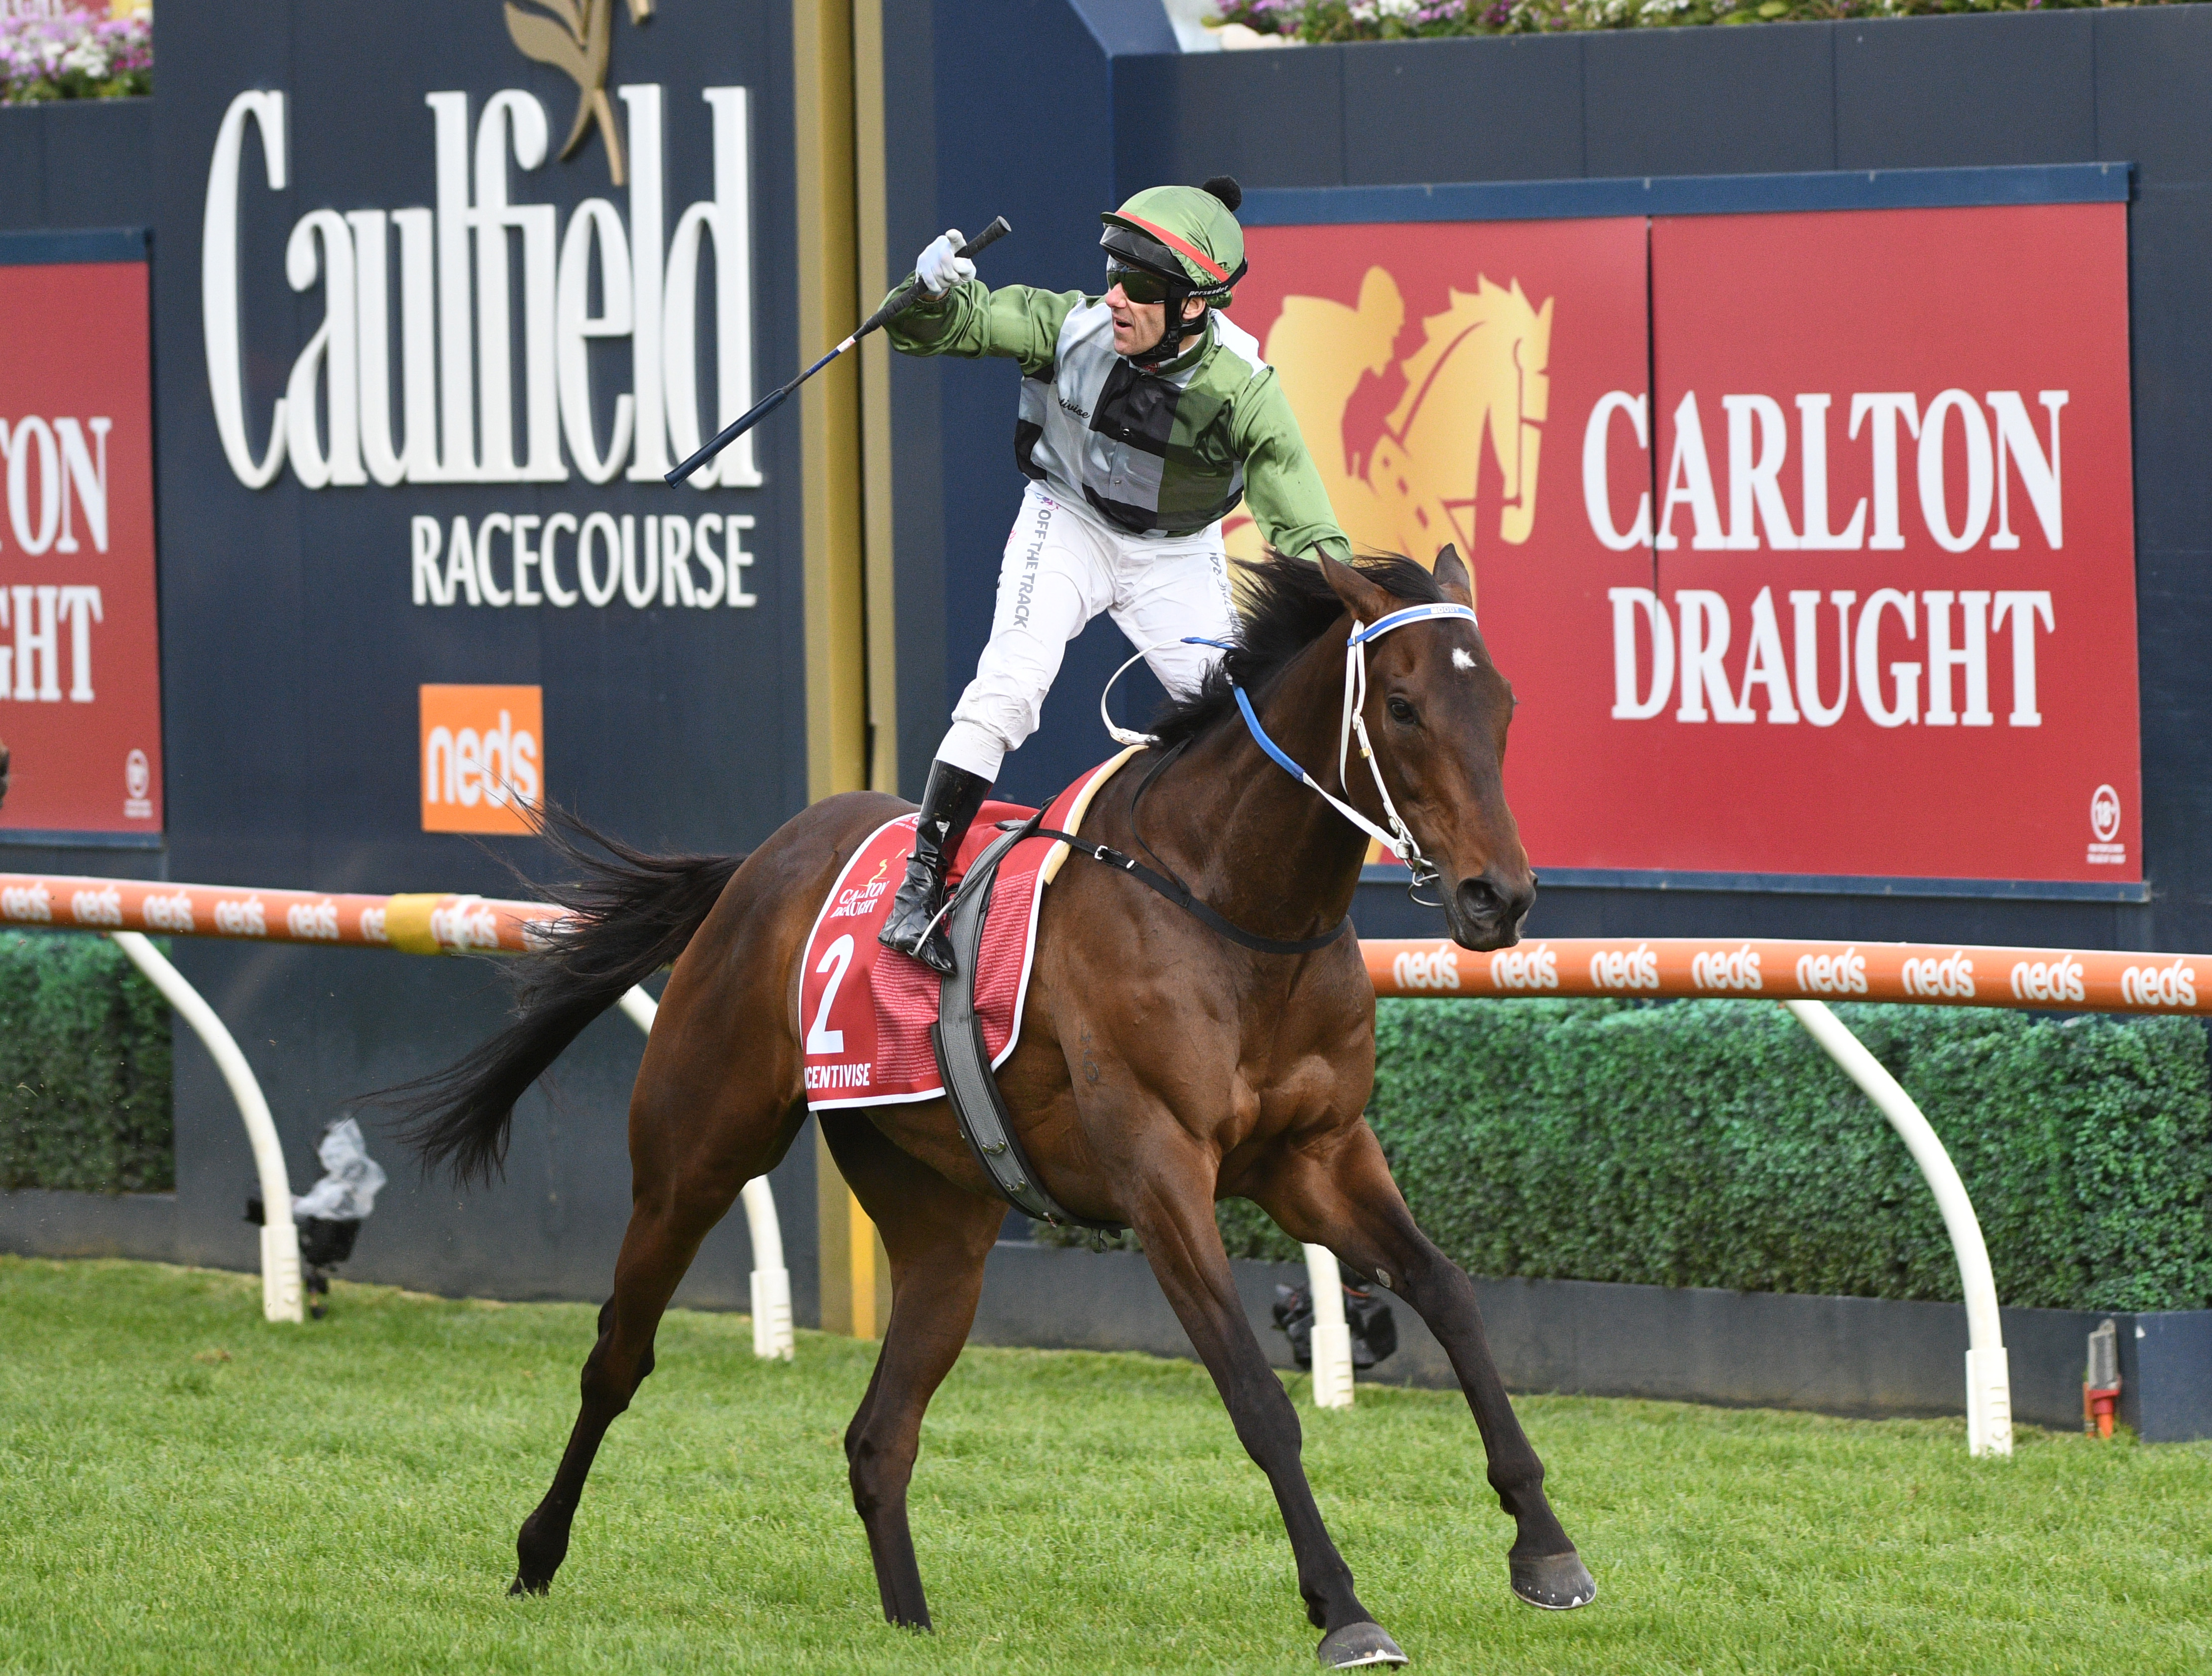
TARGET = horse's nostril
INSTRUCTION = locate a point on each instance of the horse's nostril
(1481, 900)
(1478, 899)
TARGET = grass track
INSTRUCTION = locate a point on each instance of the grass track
(187, 1488)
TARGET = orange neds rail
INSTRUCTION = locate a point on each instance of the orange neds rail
(422, 924)
(1771, 969)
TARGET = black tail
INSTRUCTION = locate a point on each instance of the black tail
(630, 914)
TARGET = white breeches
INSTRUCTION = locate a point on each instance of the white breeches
(1062, 568)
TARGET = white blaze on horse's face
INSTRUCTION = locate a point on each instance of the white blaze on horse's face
(1447, 750)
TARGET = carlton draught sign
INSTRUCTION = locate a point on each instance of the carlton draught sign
(79, 685)
(1806, 539)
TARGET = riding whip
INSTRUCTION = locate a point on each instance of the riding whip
(897, 303)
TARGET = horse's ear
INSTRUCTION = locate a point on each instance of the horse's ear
(1366, 602)
(1454, 577)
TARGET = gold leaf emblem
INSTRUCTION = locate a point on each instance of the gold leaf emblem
(575, 37)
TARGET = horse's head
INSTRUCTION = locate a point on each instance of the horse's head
(1437, 711)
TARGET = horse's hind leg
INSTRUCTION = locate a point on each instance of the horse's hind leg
(693, 1147)
(1346, 1201)
(666, 1227)
(937, 1236)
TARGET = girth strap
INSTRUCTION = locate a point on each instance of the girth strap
(963, 1060)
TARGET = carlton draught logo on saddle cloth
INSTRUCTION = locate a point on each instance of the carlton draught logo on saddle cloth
(866, 1014)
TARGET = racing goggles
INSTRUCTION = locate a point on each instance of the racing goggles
(1139, 285)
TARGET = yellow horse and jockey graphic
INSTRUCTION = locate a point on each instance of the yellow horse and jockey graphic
(1482, 370)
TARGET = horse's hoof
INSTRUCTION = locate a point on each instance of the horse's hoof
(524, 1586)
(1357, 1644)
(1559, 1583)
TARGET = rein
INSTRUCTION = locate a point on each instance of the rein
(1181, 896)
(1399, 839)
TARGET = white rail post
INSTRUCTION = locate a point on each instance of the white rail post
(1331, 1336)
(771, 1281)
(1989, 1381)
(280, 1240)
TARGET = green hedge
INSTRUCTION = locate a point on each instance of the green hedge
(84, 1069)
(1713, 1144)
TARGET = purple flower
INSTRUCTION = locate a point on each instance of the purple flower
(74, 55)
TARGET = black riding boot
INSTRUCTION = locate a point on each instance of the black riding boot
(949, 806)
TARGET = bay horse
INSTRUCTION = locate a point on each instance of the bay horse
(1161, 1067)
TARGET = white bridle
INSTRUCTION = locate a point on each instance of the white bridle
(1398, 839)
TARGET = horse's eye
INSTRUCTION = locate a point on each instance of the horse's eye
(1402, 711)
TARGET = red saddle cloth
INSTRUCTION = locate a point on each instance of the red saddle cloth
(867, 1009)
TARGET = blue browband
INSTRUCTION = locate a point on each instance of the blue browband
(1397, 837)
(1383, 625)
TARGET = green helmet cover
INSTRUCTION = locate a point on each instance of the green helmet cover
(1197, 229)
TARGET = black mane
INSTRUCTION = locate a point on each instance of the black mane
(1286, 606)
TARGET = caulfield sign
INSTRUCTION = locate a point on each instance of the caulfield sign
(414, 375)
(445, 293)
(1851, 592)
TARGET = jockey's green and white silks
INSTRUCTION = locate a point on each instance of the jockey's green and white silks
(1160, 452)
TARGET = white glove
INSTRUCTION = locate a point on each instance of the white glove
(941, 266)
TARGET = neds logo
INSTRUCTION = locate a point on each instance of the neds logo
(1432, 968)
(1626, 968)
(482, 757)
(26, 902)
(1833, 975)
(1724, 969)
(2058, 980)
(1525, 968)
(2173, 986)
(1950, 978)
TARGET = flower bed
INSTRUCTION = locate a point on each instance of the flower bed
(74, 55)
(1318, 21)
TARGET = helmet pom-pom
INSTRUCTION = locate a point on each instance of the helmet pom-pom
(1225, 187)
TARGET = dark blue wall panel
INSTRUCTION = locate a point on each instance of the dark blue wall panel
(77, 162)
(1269, 119)
(1709, 101)
(2009, 89)
(1461, 110)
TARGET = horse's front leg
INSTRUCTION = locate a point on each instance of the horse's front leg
(1171, 1209)
(1341, 1196)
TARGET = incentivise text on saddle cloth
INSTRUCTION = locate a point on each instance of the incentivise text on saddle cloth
(1146, 416)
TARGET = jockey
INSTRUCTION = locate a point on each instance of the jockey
(1137, 438)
